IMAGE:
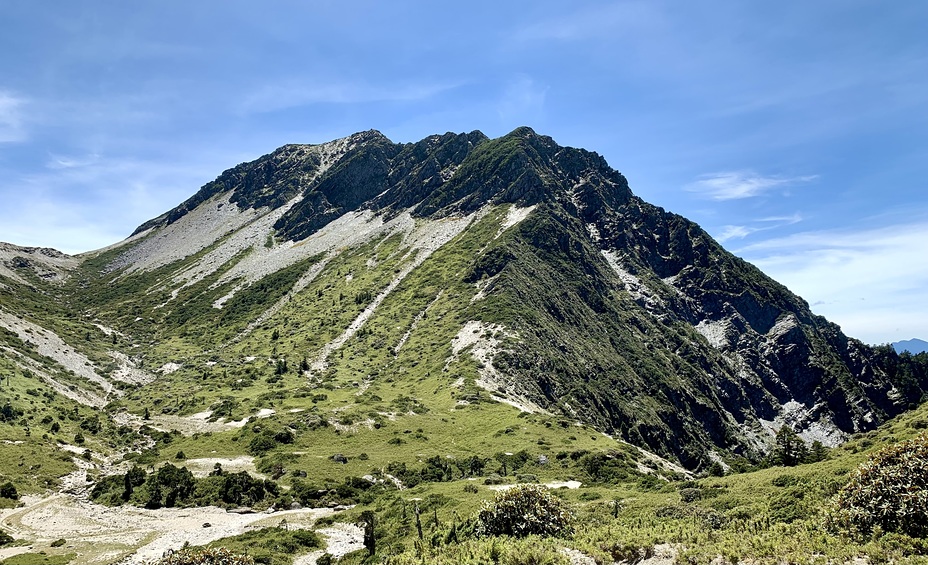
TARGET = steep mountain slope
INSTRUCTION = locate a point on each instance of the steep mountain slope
(390, 281)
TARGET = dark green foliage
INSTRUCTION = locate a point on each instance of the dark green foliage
(367, 521)
(167, 487)
(526, 510)
(171, 486)
(241, 489)
(603, 467)
(8, 490)
(261, 444)
(91, 424)
(5, 538)
(789, 449)
(8, 413)
(889, 492)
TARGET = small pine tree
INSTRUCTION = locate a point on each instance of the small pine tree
(789, 449)
(367, 522)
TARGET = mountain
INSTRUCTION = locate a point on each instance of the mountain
(366, 282)
(913, 346)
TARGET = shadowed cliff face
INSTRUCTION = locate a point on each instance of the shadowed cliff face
(603, 308)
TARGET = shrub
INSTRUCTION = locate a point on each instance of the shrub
(524, 510)
(690, 494)
(5, 538)
(494, 479)
(8, 490)
(261, 444)
(889, 492)
(217, 556)
(59, 542)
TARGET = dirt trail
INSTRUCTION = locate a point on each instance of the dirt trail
(129, 535)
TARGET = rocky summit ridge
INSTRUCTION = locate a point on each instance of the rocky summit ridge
(506, 270)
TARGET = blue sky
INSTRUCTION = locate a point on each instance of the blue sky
(794, 132)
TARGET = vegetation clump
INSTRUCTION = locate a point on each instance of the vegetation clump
(8, 490)
(172, 486)
(5, 539)
(525, 510)
(212, 556)
(888, 493)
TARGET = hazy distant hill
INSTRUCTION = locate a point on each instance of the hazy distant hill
(913, 346)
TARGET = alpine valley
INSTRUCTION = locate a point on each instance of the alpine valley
(370, 325)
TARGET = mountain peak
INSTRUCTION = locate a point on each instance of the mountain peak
(515, 266)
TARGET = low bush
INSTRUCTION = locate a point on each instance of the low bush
(889, 492)
(217, 556)
(524, 510)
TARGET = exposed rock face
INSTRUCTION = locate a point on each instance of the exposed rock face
(603, 308)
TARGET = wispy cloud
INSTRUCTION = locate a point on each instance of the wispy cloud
(873, 282)
(11, 118)
(70, 162)
(734, 232)
(293, 94)
(735, 185)
(730, 232)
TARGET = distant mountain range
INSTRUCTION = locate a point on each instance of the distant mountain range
(913, 345)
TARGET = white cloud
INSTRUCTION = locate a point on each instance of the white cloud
(734, 232)
(734, 185)
(11, 118)
(873, 283)
(740, 232)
